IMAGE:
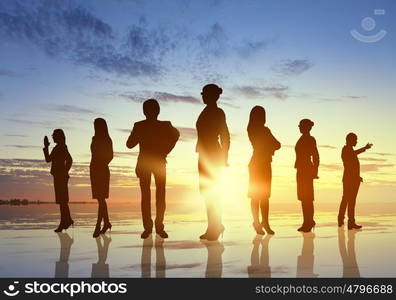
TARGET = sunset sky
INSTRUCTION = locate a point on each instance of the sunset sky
(64, 63)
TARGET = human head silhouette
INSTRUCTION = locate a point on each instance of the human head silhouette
(211, 93)
(351, 139)
(257, 116)
(305, 126)
(101, 129)
(59, 136)
(151, 109)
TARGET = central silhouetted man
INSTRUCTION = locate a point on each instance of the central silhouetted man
(156, 139)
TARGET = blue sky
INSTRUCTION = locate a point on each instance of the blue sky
(63, 63)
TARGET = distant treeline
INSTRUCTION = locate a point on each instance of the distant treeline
(17, 201)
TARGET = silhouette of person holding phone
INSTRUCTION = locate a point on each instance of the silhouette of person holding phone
(102, 154)
(307, 164)
(213, 155)
(156, 140)
(61, 162)
(351, 180)
(260, 172)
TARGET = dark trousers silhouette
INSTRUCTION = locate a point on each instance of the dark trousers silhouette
(350, 191)
(144, 174)
(65, 213)
(160, 265)
(308, 211)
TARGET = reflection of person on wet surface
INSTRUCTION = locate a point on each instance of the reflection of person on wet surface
(307, 163)
(348, 255)
(61, 162)
(260, 173)
(351, 180)
(214, 265)
(156, 139)
(305, 262)
(213, 155)
(260, 263)
(102, 154)
(101, 269)
(160, 265)
(62, 266)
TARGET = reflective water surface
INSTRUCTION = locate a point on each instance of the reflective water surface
(30, 248)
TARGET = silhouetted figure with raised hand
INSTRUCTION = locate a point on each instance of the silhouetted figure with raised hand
(351, 180)
(260, 172)
(61, 162)
(156, 140)
(307, 163)
(348, 254)
(101, 268)
(260, 267)
(102, 154)
(62, 265)
(213, 155)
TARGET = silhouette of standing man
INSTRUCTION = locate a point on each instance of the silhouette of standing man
(156, 139)
(351, 180)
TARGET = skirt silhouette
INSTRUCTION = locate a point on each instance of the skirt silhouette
(260, 175)
(100, 178)
(61, 190)
(305, 187)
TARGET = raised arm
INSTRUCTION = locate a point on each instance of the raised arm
(361, 150)
(47, 156)
(133, 139)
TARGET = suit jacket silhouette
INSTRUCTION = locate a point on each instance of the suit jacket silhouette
(351, 164)
(210, 125)
(60, 159)
(155, 138)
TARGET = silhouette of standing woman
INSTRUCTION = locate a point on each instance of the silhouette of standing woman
(260, 173)
(102, 154)
(61, 162)
(307, 163)
(213, 155)
(351, 180)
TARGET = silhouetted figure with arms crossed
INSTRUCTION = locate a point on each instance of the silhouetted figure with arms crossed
(156, 140)
(351, 180)
(61, 162)
(307, 163)
(102, 154)
(260, 172)
(212, 145)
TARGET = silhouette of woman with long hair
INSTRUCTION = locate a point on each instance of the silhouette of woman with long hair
(213, 155)
(307, 163)
(61, 162)
(102, 154)
(260, 172)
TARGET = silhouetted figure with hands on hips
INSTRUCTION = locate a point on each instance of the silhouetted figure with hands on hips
(61, 162)
(212, 146)
(156, 140)
(102, 154)
(260, 172)
(307, 163)
(351, 180)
